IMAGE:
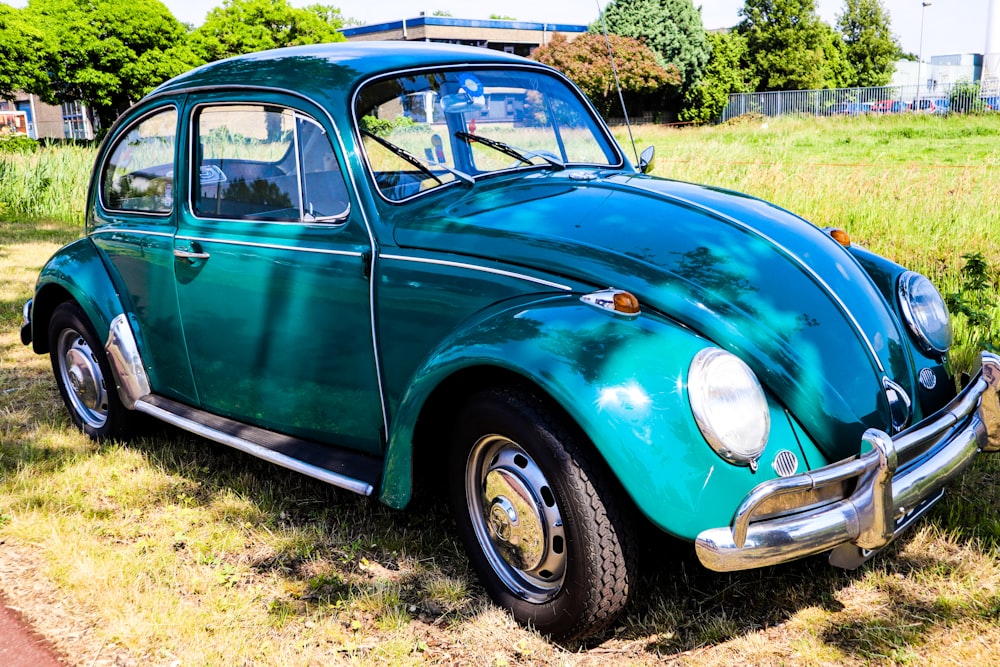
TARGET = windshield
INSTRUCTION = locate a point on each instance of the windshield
(432, 128)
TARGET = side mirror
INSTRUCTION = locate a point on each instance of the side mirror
(647, 159)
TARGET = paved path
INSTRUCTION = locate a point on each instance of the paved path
(20, 646)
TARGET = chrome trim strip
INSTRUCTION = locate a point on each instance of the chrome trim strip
(126, 362)
(269, 246)
(484, 269)
(107, 229)
(868, 519)
(338, 480)
(788, 253)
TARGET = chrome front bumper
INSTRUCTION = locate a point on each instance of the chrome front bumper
(896, 480)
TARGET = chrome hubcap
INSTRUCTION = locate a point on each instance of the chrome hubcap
(81, 374)
(516, 518)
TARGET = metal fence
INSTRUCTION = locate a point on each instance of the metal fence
(962, 97)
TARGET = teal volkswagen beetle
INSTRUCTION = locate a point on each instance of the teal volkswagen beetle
(393, 265)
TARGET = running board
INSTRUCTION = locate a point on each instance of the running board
(341, 468)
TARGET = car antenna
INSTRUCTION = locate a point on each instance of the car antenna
(618, 85)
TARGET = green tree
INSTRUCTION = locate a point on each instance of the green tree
(585, 61)
(21, 45)
(871, 47)
(790, 48)
(725, 73)
(107, 53)
(672, 28)
(245, 26)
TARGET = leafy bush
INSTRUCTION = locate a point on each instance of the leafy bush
(974, 302)
(965, 98)
(18, 144)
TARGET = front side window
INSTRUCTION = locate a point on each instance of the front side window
(259, 162)
(428, 129)
(139, 174)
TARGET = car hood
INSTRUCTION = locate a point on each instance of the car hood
(747, 275)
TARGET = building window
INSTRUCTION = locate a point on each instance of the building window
(74, 121)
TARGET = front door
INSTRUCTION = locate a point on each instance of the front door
(270, 259)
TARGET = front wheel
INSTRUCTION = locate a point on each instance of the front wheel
(84, 375)
(539, 516)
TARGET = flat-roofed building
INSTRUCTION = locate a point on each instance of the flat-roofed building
(518, 37)
(46, 121)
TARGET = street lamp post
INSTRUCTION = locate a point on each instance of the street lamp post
(920, 55)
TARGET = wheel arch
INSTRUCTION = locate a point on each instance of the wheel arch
(433, 428)
(76, 273)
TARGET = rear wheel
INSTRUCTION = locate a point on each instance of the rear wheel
(84, 375)
(539, 516)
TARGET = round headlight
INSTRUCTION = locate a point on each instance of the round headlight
(925, 312)
(729, 406)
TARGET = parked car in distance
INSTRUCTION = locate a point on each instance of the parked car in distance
(935, 106)
(849, 108)
(889, 106)
(393, 266)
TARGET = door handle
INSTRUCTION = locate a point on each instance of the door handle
(190, 254)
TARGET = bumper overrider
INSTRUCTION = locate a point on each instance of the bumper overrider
(889, 485)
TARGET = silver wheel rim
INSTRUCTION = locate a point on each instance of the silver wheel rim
(516, 518)
(81, 376)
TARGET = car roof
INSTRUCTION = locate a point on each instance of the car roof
(320, 69)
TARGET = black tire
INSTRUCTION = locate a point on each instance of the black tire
(84, 375)
(540, 516)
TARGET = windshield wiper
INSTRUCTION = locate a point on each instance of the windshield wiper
(420, 163)
(518, 154)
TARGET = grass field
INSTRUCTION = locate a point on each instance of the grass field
(169, 550)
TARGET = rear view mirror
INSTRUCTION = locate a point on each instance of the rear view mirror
(470, 96)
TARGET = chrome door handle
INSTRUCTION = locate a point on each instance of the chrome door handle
(190, 254)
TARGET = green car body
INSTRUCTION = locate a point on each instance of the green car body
(339, 336)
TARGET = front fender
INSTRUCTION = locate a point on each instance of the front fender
(75, 272)
(624, 382)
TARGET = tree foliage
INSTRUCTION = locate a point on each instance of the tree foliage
(672, 28)
(585, 60)
(245, 26)
(21, 45)
(106, 53)
(871, 47)
(725, 73)
(790, 48)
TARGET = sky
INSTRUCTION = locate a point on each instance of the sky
(949, 26)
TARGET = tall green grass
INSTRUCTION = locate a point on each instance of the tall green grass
(47, 185)
(920, 190)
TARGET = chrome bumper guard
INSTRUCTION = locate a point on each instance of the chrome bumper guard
(885, 500)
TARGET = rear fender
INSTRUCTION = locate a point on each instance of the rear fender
(76, 272)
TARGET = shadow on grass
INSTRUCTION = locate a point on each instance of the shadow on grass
(903, 625)
(681, 606)
(342, 548)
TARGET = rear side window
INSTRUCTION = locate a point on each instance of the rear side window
(139, 174)
(259, 162)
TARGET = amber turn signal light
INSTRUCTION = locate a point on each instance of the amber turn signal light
(841, 237)
(615, 300)
(626, 303)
